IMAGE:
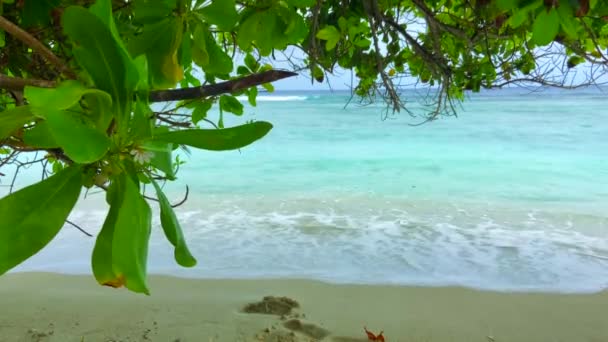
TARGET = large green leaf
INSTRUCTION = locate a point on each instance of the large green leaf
(131, 238)
(13, 119)
(32, 216)
(81, 142)
(173, 230)
(102, 260)
(546, 27)
(121, 250)
(221, 13)
(40, 136)
(218, 139)
(103, 57)
(67, 95)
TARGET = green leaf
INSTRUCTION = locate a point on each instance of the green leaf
(260, 28)
(40, 136)
(162, 158)
(301, 3)
(185, 51)
(231, 104)
(252, 63)
(173, 230)
(131, 238)
(142, 122)
(121, 251)
(252, 94)
(13, 119)
(64, 96)
(574, 61)
(218, 139)
(200, 110)
(268, 86)
(568, 21)
(32, 216)
(206, 50)
(507, 5)
(67, 95)
(104, 59)
(37, 12)
(545, 27)
(200, 56)
(145, 11)
(161, 43)
(221, 13)
(99, 109)
(81, 142)
(330, 34)
(318, 74)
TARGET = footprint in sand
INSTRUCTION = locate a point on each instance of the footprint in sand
(272, 306)
(308, 329)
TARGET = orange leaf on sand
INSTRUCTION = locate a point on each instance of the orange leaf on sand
(372, 337)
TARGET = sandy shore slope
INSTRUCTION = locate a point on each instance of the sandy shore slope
(51, 307)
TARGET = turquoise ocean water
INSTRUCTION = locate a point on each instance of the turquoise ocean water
(511, 195)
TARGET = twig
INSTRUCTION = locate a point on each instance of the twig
(183, 200)
(36, 45)
(79, 228)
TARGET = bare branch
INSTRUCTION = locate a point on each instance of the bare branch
(241, 83)
(219, 88)
(17, 83)
(79, 228)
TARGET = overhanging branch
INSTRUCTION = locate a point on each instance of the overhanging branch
(36, 45)
(219, 88)
(17, 83)
(237, 84)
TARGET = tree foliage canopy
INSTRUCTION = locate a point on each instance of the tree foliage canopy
(77, 80)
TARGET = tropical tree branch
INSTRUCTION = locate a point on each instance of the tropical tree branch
(219, 88)
(241, 83)
(17, 83)
(36, 45)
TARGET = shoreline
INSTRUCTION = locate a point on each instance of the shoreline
(427, 285)
(49, 307)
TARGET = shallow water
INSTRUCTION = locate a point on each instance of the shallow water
(511, 195)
